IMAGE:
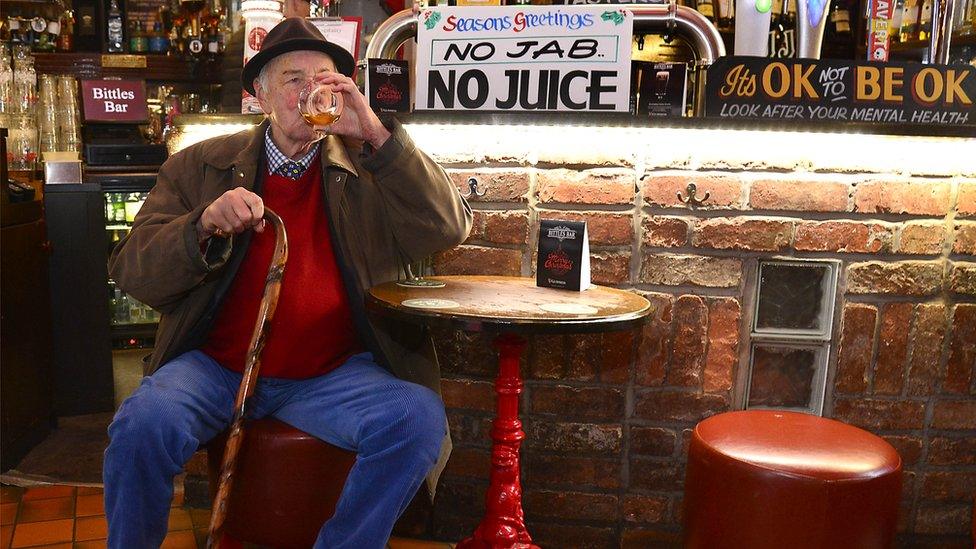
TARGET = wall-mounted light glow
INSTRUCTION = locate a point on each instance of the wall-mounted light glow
(694, 148)
(193, 128)
(185, 136)
(657, 147)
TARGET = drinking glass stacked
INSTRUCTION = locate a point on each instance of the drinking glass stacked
(18, 82)
(69, 115)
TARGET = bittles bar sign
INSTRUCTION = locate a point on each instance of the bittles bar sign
(546, 58)
(843, 91)
(114, 100)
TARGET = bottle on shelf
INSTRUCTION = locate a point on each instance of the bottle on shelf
(165, 14)
(783, 32)
(894, 24)
(909, 21)
(158, 40)
(706, 8)
(212, 38)
(13, 24)
(176, 44)
(194, 42)
(53, 32)
(840, 20)
(118, 208)
(775, 17)
(224, 30)
(925, 20)
(66, 39)
(726, 15)
(113, 23)
(121, 307)
(838, 40)
(967, 24)
(138, 42)
(36, 31)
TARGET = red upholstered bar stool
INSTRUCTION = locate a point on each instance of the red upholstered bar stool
(288, 483)
(769, 479)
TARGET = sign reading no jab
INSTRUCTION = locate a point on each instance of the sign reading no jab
(551, 58)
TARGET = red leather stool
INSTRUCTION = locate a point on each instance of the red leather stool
(771, 479)
(287, 484)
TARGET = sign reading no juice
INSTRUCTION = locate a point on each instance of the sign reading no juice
(552, 58)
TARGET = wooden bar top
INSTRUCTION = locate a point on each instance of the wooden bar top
(499, 303)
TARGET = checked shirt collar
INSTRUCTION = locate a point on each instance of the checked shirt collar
(280, 164)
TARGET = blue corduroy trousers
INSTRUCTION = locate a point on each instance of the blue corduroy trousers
(395, 427)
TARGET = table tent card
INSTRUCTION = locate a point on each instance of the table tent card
(564, 255)
(388, 85)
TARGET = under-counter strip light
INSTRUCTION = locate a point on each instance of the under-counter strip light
(661, 146)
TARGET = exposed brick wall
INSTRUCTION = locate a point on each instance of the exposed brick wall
(608, 417)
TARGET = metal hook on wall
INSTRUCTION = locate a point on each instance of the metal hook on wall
(473, 188)
(692, 200)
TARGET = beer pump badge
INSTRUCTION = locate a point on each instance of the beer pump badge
(564, 255)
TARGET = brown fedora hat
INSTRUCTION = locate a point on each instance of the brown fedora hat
(294, 34)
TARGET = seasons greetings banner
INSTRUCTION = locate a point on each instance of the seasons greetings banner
(551, 58)
(818, 90)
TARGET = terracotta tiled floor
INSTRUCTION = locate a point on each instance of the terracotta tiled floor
(74, 518)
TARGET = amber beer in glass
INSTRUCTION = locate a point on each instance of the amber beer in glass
(319, 106)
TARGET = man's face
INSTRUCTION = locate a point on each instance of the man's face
(289, 74)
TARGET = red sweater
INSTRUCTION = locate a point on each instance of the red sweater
(312, 330)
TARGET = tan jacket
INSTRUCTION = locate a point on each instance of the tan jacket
(392, 207)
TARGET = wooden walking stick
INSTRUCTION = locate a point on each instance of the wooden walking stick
(269, 301)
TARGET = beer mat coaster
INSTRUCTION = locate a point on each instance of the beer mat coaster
(568, 308)
(430, 303)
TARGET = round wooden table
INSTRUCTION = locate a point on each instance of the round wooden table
(510, 307)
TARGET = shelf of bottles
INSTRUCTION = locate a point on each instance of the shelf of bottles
(179, 40)
(120, 210)
(911, 26)
(192, 29)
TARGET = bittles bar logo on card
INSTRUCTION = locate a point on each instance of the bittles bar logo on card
(388, 69)
(561, 233)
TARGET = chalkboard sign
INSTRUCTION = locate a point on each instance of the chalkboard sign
(805, 90)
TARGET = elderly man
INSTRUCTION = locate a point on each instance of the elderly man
(358, 205)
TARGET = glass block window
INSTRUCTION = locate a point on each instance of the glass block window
(794, 298)
(791, 333)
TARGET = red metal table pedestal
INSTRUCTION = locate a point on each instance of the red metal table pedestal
(503, 525)
(512, 307)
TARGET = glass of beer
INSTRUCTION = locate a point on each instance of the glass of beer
(319, 106)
